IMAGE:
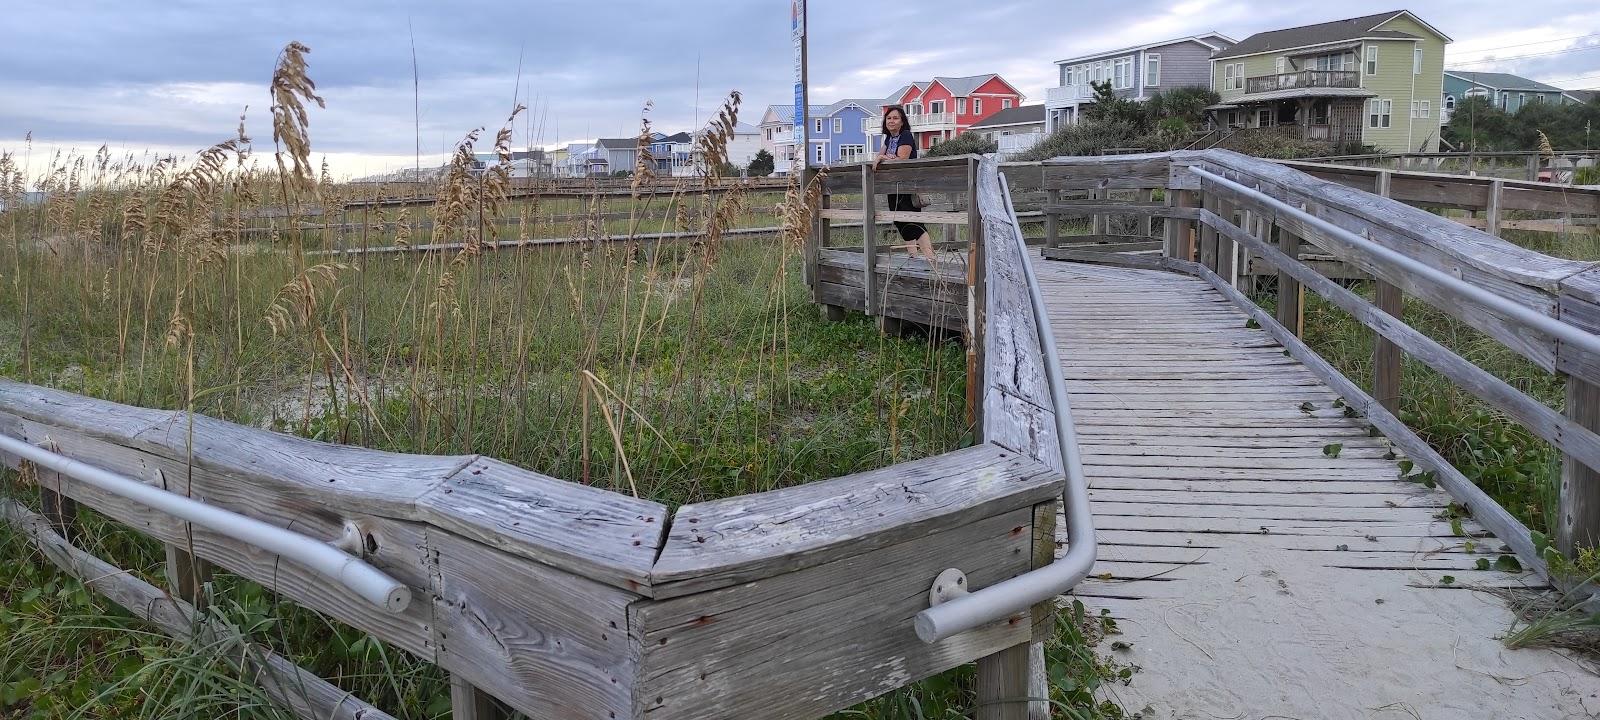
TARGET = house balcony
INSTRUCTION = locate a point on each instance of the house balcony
(1065, 95)
(1303, 79)
(922, 122)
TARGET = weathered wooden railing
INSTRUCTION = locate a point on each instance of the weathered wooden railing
(1545, 309)
(564, 601)
(1526, 164)
(884, 280)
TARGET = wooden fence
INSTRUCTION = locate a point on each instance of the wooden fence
(560, 600)
(1121, 214)
(1526, 165)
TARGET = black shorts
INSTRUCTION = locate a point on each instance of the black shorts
(906, 203)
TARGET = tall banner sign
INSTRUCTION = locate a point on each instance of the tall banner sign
(797, 32)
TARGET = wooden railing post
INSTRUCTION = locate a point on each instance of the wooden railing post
(1578, 518)
(470, 703)
(1225, 246)
(1208, 236)
(187, 575)
(1180, 233)
(1147, 223)
(869, 240)
(1386, 356)
(1491, 216)
(1533, 167)
(1289, 294)
(55, 506)
(1052, 228)
(1003, 684)
(976, 292)
(814, 240)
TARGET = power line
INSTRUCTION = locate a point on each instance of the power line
(1572, 79)
(1539, 42)
(1530, 55)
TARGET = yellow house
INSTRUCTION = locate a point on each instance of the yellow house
(1374, 80)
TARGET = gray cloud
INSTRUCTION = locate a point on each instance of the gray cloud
(177, 73)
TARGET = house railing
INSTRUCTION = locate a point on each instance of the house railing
(1303, 79)
(922, 121)
(1068, 94)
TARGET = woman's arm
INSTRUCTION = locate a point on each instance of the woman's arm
(904, 152)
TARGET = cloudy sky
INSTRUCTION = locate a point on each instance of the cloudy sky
(174, 75)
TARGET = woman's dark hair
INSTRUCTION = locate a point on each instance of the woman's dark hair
(904, 123)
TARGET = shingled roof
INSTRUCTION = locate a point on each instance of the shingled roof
(1013, 116)
(1502, 81)
(1322, 33)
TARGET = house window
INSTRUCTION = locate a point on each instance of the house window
(1416, 61)
(1319, 113)
(1233, 76)
(851, 153)
(1335, 61)
(977, 106)
(1281, 62)
(820, 150)
(1152, 70)
(838, 125)
(1372, 59)
(1427, 108)
(1264, 117)
(936, 107)
(866, 125)
(817, 126)
(1522, 100)
(1449, 102)
(1005, 103)
(961, 106)
(1122, 73)
(1378, 113)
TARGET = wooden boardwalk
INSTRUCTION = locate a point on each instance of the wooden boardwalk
(1253, 573)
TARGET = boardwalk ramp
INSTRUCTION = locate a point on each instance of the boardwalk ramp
(1260, 552)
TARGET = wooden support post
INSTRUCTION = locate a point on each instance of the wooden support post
(1147, 222)
(187, 575)
(1492, 214)
(869, 240)
(60, 510)
(1003, 684)
(1386, 356)
(1180, 233)
(470, 703)
(813, 242)
(1052, 227)
(1226, 248)
(1208, 236)
(1578, 519)
(1099, 222)
(1289, 292)
(1533, 167)
(976, 292)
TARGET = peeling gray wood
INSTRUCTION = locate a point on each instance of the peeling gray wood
(724, 542)
(809, 642)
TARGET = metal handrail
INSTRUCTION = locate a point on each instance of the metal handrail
(1583, 339)
(1041, 584)
(372, 584)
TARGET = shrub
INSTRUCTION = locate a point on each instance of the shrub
(761, 165)
(1088, 138)
(964, 143)
(1276, 143)
(1187, 104)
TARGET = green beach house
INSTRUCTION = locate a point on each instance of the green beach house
(1375, 80)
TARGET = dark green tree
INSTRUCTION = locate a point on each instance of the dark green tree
(761, 165)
